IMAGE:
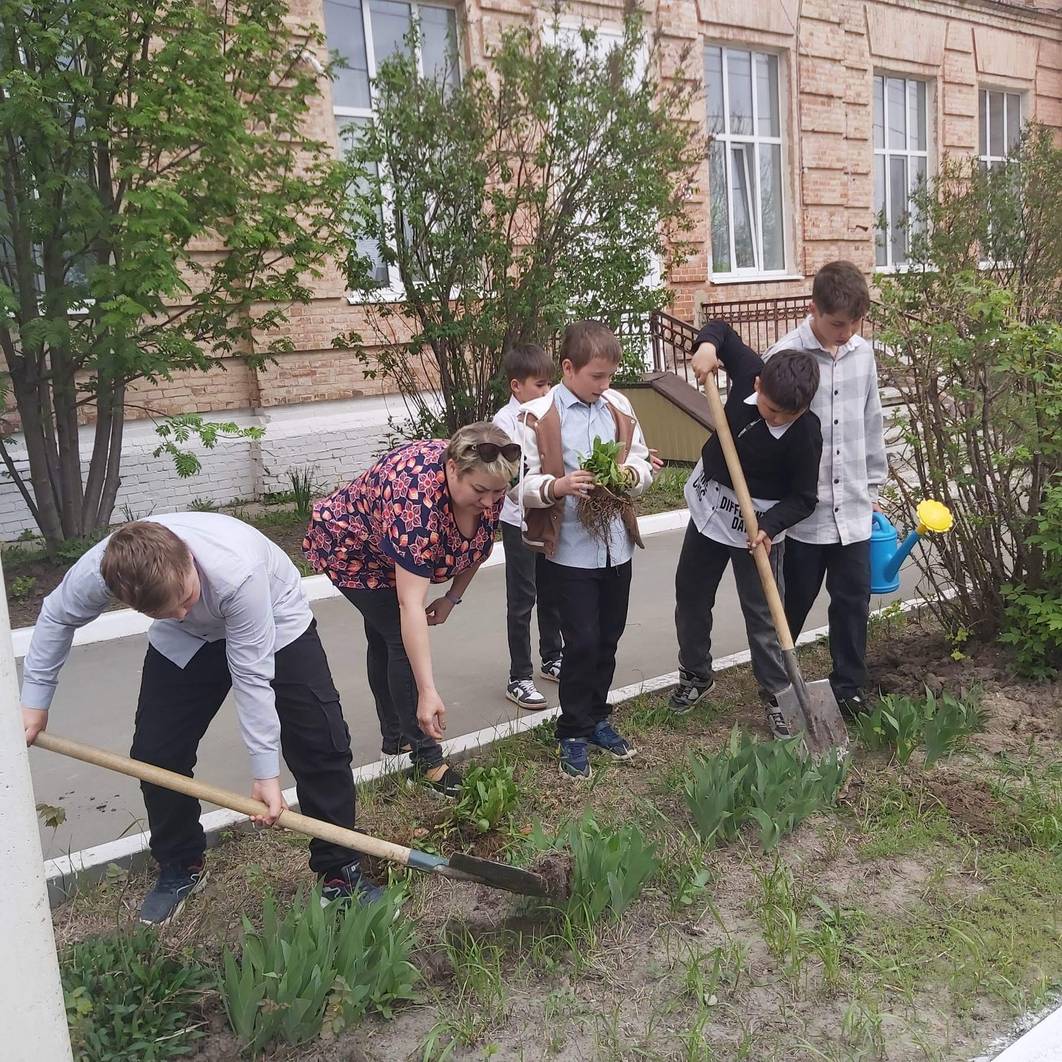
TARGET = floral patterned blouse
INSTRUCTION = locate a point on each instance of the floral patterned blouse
(396, 512)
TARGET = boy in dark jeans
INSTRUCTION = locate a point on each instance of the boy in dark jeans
(529, 372)
(779, 444)
(590, 576)
(834, 541)
(229, 612)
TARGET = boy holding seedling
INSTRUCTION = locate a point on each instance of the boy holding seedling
(834, 541)
(590, 573)
(529, 371)
(229, 612)
(779, 444)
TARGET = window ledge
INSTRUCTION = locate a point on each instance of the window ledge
(379, 296)
(752, 278)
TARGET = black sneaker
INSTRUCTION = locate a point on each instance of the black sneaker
(551, 669)
(175, 885)
(574, 758)
(776, 723)
(347, 885)
(448, 784)
(689, 692)
(852, 706)
(524, 694)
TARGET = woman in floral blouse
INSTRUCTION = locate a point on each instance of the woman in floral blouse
(424, 513)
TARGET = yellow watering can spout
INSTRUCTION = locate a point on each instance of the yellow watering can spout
(933, 516)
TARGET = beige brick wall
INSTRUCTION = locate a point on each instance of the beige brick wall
(829, 49)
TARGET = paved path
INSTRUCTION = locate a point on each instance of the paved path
(98, 687)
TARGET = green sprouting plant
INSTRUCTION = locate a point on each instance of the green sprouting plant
(128, 1001)
(303, 488)
(315, 964)
(769, 783)
(904, 723)
(21, 587)
(779, 911)
(203, 505)
(602, 462)
(488, 795)
(609, 869)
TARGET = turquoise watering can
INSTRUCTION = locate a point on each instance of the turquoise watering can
(886, 552)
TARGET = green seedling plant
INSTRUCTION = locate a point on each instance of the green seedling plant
(770, 784)
(22, 586)
(129, 1001)
(602, 462)
(488, 796)
(903, 724)
(316, 963)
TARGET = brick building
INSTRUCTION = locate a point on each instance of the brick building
(823, 115)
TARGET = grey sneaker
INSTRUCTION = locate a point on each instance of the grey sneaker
(175, 884)
(689, 692)
(776, 723)
(347, 885)
(522, 692)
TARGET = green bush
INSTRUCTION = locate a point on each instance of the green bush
(126, 999)
(769, 783)
(609, 869)
(903, 724)
(316, 964)
(488, 794)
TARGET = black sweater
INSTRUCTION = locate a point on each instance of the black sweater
(785, 468)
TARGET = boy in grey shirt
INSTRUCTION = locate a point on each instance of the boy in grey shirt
(834, 541)
(229, 613)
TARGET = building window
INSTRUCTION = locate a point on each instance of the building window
(999, 126)
(364, 34)
(901, 163)
(745, 161)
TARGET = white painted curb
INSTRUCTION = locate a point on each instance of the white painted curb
(123, 623)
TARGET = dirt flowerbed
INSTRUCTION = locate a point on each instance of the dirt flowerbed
(915, 918)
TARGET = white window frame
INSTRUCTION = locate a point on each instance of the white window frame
(393, 290)
(755, 272)
(907, 152)
(983, 93)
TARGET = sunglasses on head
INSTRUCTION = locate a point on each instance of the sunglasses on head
(489, 451)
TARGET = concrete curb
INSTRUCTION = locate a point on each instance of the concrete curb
(123, 623)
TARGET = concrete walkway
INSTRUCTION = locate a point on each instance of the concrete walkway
(98, 689)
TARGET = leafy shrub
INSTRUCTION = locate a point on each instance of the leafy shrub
(22, 586)
(905, 723)
(126, 999)
(316, 963)
(1032, 620)
(769, 783)
(488, 794)
(609, 869)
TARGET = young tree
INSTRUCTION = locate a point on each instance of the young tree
(970, 337)
(538, 189)
(135, 137)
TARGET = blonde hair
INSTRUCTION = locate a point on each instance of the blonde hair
(145, 566)
(461, 449)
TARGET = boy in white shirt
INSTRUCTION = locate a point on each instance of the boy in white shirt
(529, 372)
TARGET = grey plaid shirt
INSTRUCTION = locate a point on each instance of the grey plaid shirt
(854, 465)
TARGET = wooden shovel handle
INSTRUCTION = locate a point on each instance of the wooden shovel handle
(748, 514)
(292, 820)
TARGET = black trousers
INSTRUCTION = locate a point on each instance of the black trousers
(394, 689)
(847, 573)
(593, 612)
(177, 705)
(527, 579)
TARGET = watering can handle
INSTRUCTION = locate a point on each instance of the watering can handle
(881, 522)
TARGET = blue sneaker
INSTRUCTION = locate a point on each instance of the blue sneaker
(574, 758)
(347, 884)
(176, 883)
(605, 739)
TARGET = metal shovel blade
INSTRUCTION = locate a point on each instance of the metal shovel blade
(498, 875)
(819, 721)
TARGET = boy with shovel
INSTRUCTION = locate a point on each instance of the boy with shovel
(229, 613)
(779, 444)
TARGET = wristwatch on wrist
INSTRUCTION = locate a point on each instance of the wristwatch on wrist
(452, 600)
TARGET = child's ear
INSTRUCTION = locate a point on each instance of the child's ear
(756, 384)
(513, 385)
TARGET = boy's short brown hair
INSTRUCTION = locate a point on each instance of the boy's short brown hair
(585, 340)
(790, 379)
(145, 566)
(840, 288)
(526, 360)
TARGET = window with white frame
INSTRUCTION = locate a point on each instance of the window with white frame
(745, 161)
(999, 126)
(364, 34)
(901, 163)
